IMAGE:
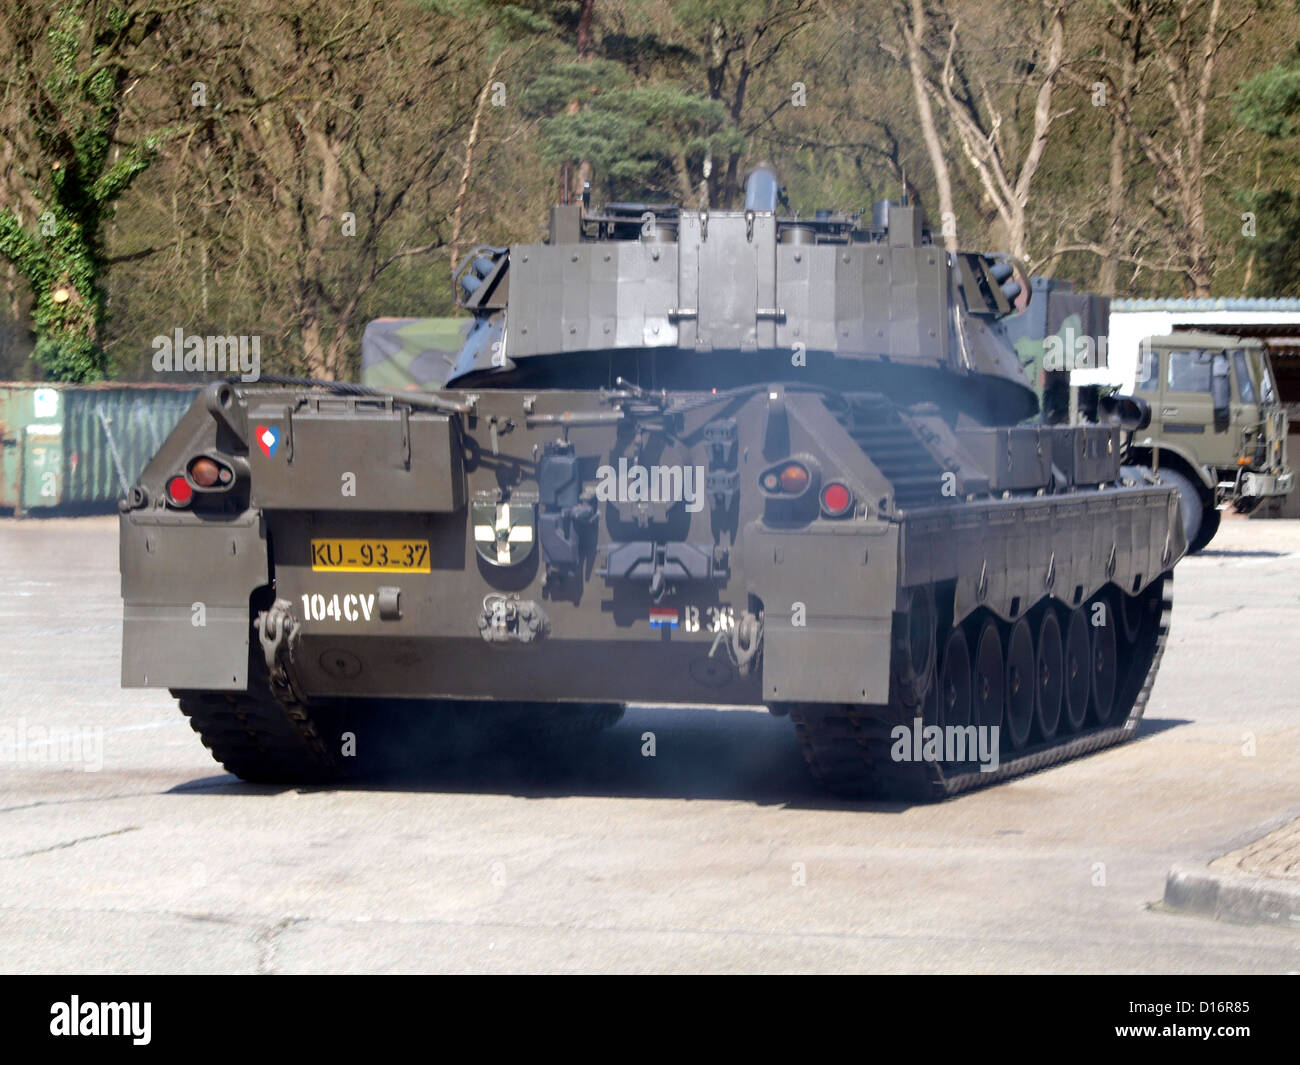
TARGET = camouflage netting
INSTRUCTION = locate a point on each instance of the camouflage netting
(1056, 310)
(411, 353)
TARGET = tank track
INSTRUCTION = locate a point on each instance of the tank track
(259, 739)
(847, 747)
(265, 740)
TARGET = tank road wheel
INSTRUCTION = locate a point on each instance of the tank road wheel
(1049, 658)
(1105, 663)
(854, 750)
(988, 678)
(1078, 671)
(1129, 608)
(1020, 687)
(931, 713)
(1144, 611)
(914, 651)
(955, 681)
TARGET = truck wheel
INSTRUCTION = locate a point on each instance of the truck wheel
(1189, 502)
(1209, 526)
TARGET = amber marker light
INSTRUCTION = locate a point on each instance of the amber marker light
(204, 472)
(794, 478)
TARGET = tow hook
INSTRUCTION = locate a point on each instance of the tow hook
(506, 619)
(743, 642)
(275, 629)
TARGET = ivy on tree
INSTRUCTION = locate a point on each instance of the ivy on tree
(74, 72)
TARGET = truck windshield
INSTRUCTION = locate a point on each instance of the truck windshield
(1267, 393)
(1245, 387)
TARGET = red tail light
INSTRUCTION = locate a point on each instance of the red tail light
(179, 492)
(837, 500)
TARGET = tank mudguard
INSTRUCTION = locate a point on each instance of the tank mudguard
(185, 621)
(828, 595)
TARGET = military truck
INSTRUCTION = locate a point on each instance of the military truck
(1217, 431)
(686, 456)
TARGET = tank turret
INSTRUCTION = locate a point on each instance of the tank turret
(693, 298)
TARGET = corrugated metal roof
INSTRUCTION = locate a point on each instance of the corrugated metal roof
(107, 386)
(1221, 304)
(1202, 338)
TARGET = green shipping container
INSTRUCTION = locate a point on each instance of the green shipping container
(78, 448)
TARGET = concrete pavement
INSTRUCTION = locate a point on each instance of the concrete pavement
(718, 854)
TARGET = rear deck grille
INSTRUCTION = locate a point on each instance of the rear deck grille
(893, 448)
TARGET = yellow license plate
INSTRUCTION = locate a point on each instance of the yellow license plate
(370, 556)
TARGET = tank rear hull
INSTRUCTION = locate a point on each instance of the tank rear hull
(821, 553)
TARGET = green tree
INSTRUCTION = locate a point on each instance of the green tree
(64, 97)
(1269, 104)
(640, 138)
(342, 167)
(738, 44)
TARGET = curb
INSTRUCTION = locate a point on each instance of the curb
(1234, 897)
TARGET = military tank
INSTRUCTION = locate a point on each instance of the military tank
(686, 457)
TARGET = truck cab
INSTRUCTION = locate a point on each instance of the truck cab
(1217, 429)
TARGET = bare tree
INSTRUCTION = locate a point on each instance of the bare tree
(985, 126)
(741, 40)
(1180, 44)
(458, 215)
(913, 27)
(344, 169)
(1116, 224)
